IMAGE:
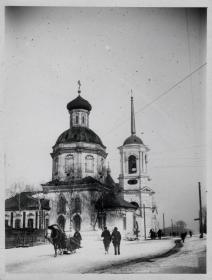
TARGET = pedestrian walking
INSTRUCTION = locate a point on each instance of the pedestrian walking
(183, 236)
(159, 233)
(190, 232)
(116, 239)
(106, 239)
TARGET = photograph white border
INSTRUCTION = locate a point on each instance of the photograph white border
(110, 3)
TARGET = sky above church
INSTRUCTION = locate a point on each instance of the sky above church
(158, 53)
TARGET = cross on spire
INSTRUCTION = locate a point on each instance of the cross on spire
(79, 85)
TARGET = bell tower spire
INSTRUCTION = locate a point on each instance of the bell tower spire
(132, 116)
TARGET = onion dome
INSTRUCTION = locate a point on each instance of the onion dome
(79, 103)
(79, 134)
(133, 139)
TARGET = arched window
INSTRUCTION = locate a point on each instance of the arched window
(62, 205)
(89, 164)
(17, 223)
(69, 164)
(77, 204)
(132, 166)
(83, 119)
(56, 166)
(77, 119)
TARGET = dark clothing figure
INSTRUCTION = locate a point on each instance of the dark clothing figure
(183, 236)
(106, 239)
(77, 236)
(159, 233)
(152, 234)
(190, 232)
(116, 239)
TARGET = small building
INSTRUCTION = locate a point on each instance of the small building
(25, 211)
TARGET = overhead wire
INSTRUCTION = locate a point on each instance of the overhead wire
(159, 96)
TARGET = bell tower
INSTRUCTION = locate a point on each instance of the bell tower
(134, 178)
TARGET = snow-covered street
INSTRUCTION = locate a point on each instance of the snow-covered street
(191, 258)
(90, 258)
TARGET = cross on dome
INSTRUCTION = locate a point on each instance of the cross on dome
(79, 85)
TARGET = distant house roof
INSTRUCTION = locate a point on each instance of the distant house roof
(25, 201)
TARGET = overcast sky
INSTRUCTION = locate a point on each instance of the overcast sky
(111, 51)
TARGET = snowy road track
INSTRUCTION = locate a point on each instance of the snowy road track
(40, 259)
(191, 258)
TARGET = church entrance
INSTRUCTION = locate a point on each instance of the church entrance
(77, 222)
(61, 221)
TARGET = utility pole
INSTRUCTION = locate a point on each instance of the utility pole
(172, 225)
(163, 224)
(200, 212)
(144, 222)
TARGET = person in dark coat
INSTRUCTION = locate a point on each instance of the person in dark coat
(183, 236)
(77, 236)
(190, 232)
(159, 233)
(106, 239)
(116, 239)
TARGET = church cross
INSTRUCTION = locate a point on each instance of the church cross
(79, 85)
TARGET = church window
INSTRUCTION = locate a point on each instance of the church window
(17, 223)
(62, 205)
(132, 166)
(77, 204)
(56, 166)
(69, 163)
(146, 159)
(89, 164)
(83, 120)
(77, 119)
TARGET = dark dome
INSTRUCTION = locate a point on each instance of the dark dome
(79, 134)
(133, 139)
(79, 103)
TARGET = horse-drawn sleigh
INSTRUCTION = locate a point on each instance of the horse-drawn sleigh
(65, 245)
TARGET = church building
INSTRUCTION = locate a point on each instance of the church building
(82, 195)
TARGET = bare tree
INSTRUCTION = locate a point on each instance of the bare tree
(19, 187)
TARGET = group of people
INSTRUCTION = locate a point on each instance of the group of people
(115, 238)
(154, 234)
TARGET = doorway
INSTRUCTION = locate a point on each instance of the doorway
(61, 221)
(77, 222)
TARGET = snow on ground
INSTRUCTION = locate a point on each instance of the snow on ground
(40, 259)
(191, 258)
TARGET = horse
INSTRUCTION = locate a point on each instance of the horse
(58, 238)
(60, 241)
